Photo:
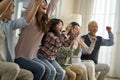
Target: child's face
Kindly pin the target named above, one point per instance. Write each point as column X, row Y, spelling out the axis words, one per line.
column 59, row 27
column 9, row 12
column 43, row 7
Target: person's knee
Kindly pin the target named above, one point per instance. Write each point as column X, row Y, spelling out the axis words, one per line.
column 62, row 72
column 72, row 76
column 80, row 72
column 29, row 75
column 14, row 68
column 25, row 75
column 39, row 69
column 48, row 70
column 107, row 68
column 53, row 71
column 84, row 69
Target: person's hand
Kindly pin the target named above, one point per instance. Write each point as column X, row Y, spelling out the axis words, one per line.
column 75, row 32
column 37, row 2
column 68, row 28
column 93, row 39
column 108, row 28
column 80, row 41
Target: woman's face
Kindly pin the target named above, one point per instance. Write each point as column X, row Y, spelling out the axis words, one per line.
column 43, row 7
column 59, row 27
column 75, row 31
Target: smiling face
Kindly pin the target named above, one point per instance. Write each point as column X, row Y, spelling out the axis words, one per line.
column 93, row 28
column 43, row 7
column 59, row 27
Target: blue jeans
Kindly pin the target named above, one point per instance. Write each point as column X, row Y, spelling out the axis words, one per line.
column 57, row 72
column 37, row 68
column 47, row 70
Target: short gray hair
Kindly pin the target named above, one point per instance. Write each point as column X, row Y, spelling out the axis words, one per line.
column 91, row 22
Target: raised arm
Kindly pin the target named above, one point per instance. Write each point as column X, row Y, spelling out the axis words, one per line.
column 51, row 7
column 4, row 4
column 110, row 41
column 31, row 11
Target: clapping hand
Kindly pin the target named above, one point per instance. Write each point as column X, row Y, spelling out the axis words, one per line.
column 93, row 39
column 75, row 31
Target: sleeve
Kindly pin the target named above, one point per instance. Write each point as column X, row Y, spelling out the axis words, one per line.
column 108, row 42
column 87, row 49
column 51, row 7
column 19, row 23
column 66, row 40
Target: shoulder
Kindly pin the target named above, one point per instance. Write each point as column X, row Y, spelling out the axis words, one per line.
column 84, row 36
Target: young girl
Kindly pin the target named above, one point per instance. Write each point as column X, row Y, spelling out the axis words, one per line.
column 75, row 50
column 52, row 42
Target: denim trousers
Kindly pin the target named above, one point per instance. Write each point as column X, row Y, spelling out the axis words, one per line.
column 57, row 72
column 37, row 68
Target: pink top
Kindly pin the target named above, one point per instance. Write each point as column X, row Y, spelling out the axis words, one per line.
column 29, row 42
column 31, row 36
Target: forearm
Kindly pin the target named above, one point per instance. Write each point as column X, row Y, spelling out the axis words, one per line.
column 31, row 11
column 88, row 50
column 108, row 42
column 4, row 5
column 51, row 7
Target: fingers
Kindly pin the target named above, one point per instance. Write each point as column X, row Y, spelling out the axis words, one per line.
column 68, row 28
column 108, row 28
column 93, row 39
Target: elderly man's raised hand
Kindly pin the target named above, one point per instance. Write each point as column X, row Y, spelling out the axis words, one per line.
column 108, row 28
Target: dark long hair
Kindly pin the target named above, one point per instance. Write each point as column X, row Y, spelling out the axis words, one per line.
column 52, row 24
column 52, row 27
column 73, row 24
column 43, row 22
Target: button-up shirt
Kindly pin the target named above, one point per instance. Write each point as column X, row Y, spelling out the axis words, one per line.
column 52, row 43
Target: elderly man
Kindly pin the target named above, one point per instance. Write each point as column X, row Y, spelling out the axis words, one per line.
column 93, row 28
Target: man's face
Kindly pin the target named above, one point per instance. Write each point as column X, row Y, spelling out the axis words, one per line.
column 93, row 28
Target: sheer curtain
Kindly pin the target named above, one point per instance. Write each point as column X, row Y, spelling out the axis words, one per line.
column 85, row 8
column 106, row 13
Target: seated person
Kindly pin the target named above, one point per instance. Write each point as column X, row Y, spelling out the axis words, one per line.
column 99, row 67
column 70, row 56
